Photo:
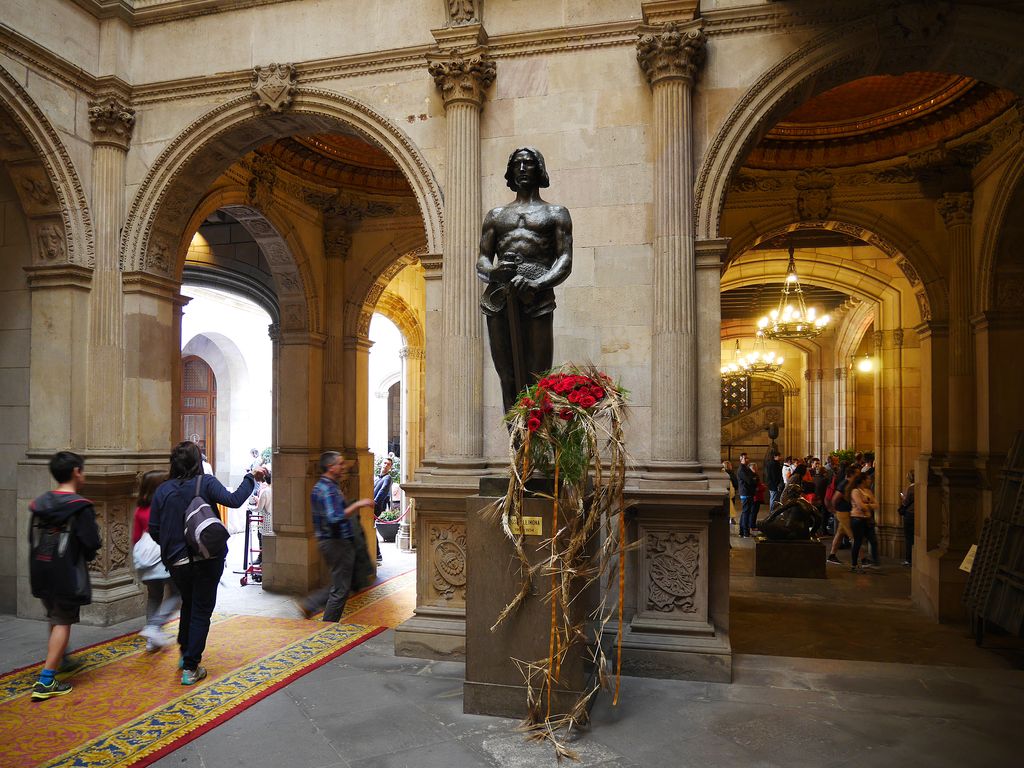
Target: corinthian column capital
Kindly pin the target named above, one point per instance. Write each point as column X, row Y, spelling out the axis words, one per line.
column 671, row 54
column 112, row 121
column 462, row 78
column 955, row 208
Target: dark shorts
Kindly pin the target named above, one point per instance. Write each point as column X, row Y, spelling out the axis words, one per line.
column 61, row 614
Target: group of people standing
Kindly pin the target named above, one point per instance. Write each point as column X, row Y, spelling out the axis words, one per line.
column 64, row 537
column 842, row 492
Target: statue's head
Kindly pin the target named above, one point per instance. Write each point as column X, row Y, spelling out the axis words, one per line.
column 542, row 179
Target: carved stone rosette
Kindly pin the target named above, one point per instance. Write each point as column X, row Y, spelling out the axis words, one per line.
column 112, row 121
column 273, row 86
column 461, row 78
column 671, row 54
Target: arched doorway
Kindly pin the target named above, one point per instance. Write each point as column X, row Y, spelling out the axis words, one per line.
column 199, row 405
column 924, row 192
column 319, row 201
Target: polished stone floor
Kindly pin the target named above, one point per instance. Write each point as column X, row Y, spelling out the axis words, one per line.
column 369, row 709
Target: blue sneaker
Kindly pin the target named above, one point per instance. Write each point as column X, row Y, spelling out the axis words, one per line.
column 56, row 688
column 192, row 676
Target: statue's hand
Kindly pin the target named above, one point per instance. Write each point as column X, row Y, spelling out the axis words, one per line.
column 502, row 271
column 524, row 286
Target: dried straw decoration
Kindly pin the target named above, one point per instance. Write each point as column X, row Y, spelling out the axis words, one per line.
column 569, row 426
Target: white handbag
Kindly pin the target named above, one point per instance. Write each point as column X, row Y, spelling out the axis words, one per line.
column 146, row 554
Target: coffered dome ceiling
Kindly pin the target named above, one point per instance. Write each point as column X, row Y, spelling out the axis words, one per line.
column 878, row 118
column 339, row 160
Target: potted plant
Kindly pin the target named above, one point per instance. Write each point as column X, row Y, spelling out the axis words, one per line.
column 386, row 516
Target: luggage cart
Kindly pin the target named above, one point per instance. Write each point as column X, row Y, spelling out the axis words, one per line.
column 251, row 569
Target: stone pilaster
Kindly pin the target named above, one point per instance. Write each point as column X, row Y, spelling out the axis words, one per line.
column 710, row 254
column 413, row 364
column 462, row 81
column 337, row 240
column 112, row 121
column 955, row 209
column 670, row 58
column 840, row 407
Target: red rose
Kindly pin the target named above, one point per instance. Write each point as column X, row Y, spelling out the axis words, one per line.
column 574, row 397
column 526, row 402
column 597, row 392
column 587, row 401
column 536, row 415
column 533, row 424
column 566, row 414
column 548, row 407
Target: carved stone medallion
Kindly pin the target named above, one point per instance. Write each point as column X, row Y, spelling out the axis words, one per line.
column 673, row 570
column 447, row 555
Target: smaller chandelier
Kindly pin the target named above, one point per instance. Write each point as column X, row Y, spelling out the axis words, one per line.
column 758, row 361
column 792, row 319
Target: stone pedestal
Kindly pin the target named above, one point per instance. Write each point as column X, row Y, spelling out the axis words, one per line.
column 437, row 629
column 790, row 559
column 494, row 684
column 677, row 585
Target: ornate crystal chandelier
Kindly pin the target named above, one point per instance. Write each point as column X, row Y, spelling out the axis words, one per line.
column 760, row 360
column 792, row 319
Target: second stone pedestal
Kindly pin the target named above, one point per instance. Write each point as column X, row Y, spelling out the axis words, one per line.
column 790, row 559
column 494, row 683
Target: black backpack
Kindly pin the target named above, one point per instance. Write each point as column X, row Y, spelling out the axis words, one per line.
column 56, row 566
column 205, row 534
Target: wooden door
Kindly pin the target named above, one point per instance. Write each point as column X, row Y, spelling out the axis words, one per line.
column 199, row 404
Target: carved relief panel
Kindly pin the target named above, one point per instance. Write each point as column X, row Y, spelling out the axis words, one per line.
column 672, row 574
column 446, row 562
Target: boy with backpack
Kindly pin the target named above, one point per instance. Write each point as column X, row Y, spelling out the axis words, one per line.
column 63, row 537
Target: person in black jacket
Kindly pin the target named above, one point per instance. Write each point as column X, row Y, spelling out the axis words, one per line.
column 748, row 496
column 63, row 537
column 196, row 578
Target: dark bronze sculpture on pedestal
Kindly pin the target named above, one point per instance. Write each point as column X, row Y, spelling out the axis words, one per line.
column 793, row 519
column 525, row 251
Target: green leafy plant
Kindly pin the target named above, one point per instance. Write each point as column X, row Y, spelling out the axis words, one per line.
column 844, row 454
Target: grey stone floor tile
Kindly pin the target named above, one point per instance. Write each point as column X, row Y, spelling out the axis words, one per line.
column 381, row 730
column 184, row 757
column 267, row 745
column 516, row 751
column 447, row 754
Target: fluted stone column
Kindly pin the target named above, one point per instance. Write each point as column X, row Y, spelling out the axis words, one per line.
column 670, row 59
column 839, row 413
column 462, row 81
column 710, row 254
column 955, row 209
column 337, row 240
column 111, row 120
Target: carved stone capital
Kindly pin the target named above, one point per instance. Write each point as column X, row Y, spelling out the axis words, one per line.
column 464, row 12
column 273, row 86
column 412, row 353
column 671, row 54
column 955, row 208
column 462, row 78
column 112, row 121
column 897, row 337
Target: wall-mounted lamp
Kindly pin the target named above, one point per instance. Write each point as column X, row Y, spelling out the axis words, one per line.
column 865, row 364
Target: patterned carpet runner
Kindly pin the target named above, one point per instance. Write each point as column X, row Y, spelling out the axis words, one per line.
column 128, row 708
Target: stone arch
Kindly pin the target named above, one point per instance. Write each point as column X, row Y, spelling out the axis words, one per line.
column 297, row 300
column 395, row 309
column 47, row 183
column 1005, row 191
column 929, row 286
column 380, row 269
column 973, row 41
column 201, row 152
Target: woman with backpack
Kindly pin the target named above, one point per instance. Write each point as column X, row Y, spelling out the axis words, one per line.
column 195, row 566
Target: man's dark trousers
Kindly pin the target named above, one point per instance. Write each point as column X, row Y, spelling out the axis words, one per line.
column 340, row 556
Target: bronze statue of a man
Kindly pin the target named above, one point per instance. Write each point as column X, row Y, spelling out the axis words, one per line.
column 525, row 251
